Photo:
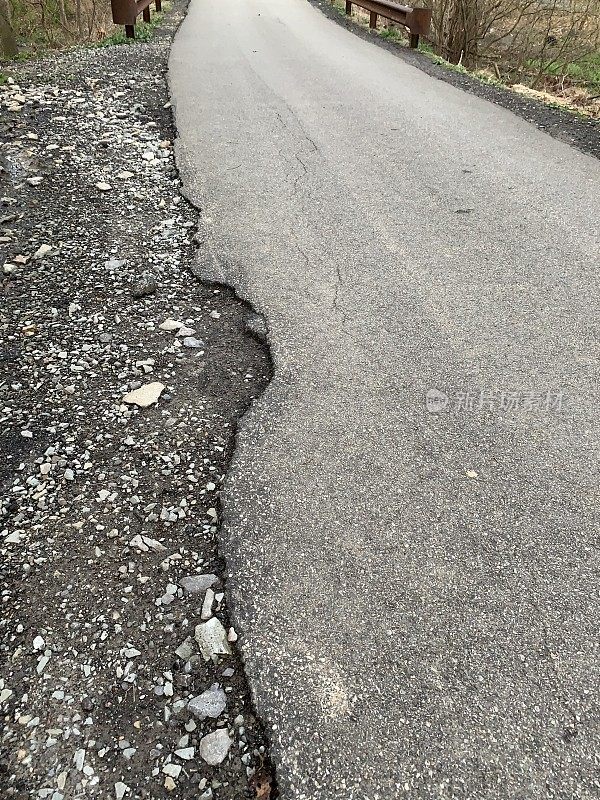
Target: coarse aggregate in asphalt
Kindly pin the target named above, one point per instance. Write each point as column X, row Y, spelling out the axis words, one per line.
column 122, row 378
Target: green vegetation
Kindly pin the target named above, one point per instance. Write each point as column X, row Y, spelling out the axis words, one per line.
column 393, row 34
column 585, row 72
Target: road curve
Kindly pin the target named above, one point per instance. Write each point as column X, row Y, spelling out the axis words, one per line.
column 417, row 590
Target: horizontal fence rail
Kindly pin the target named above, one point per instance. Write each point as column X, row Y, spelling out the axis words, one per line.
column 417, row 20
column 125, row 12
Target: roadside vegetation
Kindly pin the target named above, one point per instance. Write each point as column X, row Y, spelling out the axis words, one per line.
column 549, row 49
column 28, row 27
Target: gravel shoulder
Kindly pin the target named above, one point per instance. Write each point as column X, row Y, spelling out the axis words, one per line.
column 573, row 129
column 122, row 378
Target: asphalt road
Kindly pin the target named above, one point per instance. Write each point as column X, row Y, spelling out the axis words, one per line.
column 417, row 591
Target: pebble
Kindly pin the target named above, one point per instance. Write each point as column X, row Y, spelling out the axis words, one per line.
column 171, row 325
column 214, row 747
column 191, row 342
column 172, row 770
column 194, row 584
column 146, row 395
column 209, row 599
column 210, row 703
column 185, row 753
column 212, row 639
column 120, row 790
column 146, row 285
column 42, row 251
column 186, row 649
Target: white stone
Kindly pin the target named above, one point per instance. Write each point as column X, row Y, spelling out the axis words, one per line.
column 215, row 746
column 146, row 395
column 194, row 584
column 5, row 694
column 210, row 703
column 186, row 753
column 185, row 649
column 78, row 759
column 171, row 325
column 42, row 251
column 209, row 599
column 120, row 789
column 212, row 639
column 192, row 342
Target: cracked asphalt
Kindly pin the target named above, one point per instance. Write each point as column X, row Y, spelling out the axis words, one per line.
column 411, row 516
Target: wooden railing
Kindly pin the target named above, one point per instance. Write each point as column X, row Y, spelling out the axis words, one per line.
column 125, row 12
column 417, row 20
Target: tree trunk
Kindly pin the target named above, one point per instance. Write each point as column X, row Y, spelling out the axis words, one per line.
column 8, row 41
column 459, row 32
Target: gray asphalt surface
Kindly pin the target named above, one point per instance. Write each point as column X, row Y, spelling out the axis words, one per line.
column 417, row 592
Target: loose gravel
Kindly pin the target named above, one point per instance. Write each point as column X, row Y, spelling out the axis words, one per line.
column 121, row 380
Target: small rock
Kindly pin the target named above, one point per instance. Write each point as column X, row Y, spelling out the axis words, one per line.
column 185, row 753
column 212, row 639
column 190, row 341
column 232, row 635
column 172, row 770
column 120, row 789
column 146, row 395
column 210, row 703
column 145, row 543
column 146, row 285
column 194, row 584
column 79, row 759
column 209, row 599
column 104, row 187
column 42, row 251
column 171, row 325
column 186, row 649
column 5, row 694
column 215, row 746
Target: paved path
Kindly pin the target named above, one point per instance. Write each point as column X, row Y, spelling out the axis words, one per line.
column 417, row 591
